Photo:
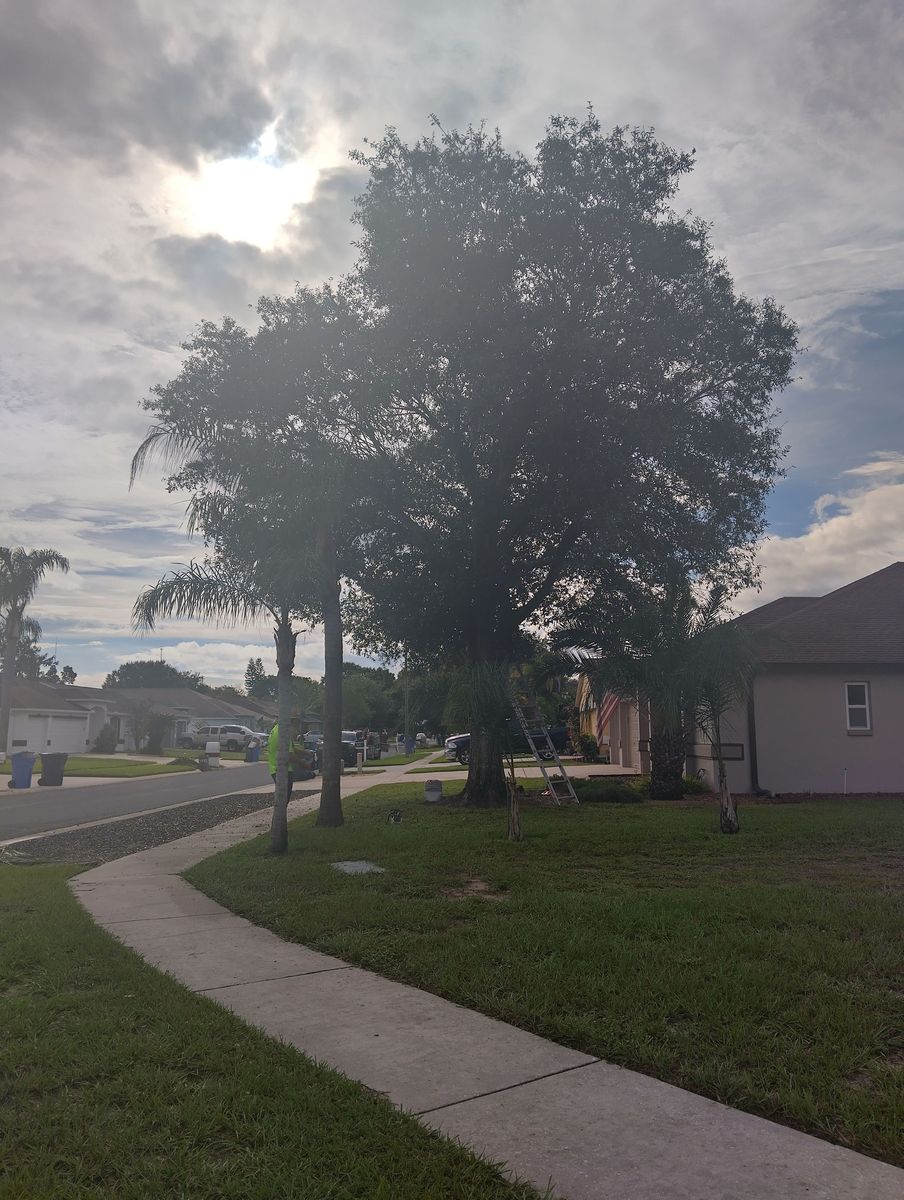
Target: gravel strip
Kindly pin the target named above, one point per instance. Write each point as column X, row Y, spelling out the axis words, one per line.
column 115, row 839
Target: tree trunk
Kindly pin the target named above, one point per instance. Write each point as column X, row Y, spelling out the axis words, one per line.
column 728, row 810
column 666, row 764
column 485, row 787
column 285, row 665
column 330, row 811
column 515, row 830
column 7, row 677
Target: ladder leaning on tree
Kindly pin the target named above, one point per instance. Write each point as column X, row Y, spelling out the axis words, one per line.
column 566, row 792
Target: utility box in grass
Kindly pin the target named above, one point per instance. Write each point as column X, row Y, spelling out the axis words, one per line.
column 433, row 791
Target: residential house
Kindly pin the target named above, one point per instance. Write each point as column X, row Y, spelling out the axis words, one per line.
column 826, row 709
column 68, row 718
column 44, row 717
column 621, row 727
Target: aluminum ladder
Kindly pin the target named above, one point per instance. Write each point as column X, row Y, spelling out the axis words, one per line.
column 566, row 792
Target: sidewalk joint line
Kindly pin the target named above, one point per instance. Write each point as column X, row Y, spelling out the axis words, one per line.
column 273, row 978
column 425, row 1112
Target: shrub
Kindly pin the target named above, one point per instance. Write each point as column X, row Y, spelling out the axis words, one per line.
column 590, row 751
column 608, row 791
column 158, row 728
column 106, row 741
column 691, row 785
column 695, row 787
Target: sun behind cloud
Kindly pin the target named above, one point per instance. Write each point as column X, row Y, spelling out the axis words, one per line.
column 243, row 199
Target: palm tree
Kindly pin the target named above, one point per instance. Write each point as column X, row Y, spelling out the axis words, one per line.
column 222, row 592
column 649, row 655
column 276, row 420
column 724, row 664
column 21, row 571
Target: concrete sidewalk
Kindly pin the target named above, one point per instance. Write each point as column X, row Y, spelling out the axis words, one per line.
column 554, row 1115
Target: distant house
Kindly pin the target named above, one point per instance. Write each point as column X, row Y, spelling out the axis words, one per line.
column 69, row 718
column 45, row 717
column 826, row 711
column 621, row 727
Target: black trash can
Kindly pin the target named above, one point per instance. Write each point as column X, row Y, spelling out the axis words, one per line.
column 52, row 767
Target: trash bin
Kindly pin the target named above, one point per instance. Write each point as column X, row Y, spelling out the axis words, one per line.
column 21, row 765
column 253, row 754
column 52, row 767
column 203, row 762
column 433, row 791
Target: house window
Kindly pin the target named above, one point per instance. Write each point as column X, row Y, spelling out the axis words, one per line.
column 859, row 718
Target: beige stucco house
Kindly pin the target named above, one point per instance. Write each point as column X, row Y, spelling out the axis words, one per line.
column 826, row 711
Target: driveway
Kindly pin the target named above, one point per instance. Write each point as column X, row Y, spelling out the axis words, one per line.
column 41, row 809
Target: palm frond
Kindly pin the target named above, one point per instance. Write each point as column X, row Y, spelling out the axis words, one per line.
column 22, row 570
column 202, row 592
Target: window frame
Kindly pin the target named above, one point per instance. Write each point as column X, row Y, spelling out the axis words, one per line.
column 866, row 707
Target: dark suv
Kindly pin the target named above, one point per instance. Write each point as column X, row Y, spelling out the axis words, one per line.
column 458, row 746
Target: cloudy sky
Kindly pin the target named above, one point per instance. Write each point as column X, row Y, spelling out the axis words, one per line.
column 164, row 162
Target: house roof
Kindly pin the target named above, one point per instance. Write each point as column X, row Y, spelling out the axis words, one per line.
column 195, row 704
column 28, row 693
column 776, row 610
column 862, row 622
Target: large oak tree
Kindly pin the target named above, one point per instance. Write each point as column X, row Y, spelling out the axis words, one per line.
column 580, row 394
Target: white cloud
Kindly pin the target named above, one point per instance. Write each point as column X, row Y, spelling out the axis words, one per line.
column 856, row 531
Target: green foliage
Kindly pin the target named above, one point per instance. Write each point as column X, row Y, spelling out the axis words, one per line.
column 159, row 729
column 256, row 680
column 589, row 748
column 570, row 291
column 68, row 675
column 106, row 740
column 151, row 673
column 150, row 729
column 609, row 791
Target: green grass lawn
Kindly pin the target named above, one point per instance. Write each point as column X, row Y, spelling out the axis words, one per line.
column 764, row 970
column 120, row 1083
column 232, row 755
column 104, row 767
column 399, row 760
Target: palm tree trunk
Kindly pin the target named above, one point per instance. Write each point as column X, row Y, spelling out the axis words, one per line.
column 285, row 665
column 330, row 811
column 666, row 763
column 7, row 677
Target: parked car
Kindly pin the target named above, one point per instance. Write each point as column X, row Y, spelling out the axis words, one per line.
column 348, row 749
column 458, row 747
column 230, row 737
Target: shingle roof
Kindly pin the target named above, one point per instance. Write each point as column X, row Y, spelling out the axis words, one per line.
column 28, row 693
column 775, row 611
column 196, row 704
column 862, row 622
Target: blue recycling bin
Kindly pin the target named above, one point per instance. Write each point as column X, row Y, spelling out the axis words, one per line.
column 253, row 754
column 22, row 765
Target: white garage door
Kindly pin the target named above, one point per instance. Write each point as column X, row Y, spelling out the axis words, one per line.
column 67, row 735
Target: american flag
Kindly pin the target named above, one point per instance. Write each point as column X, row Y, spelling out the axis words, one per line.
column 604, row 711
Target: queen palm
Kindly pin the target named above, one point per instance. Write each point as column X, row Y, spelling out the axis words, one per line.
column 224, row 592
column 21, row 571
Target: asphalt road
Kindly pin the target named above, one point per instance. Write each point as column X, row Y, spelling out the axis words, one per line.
column 41, row 809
